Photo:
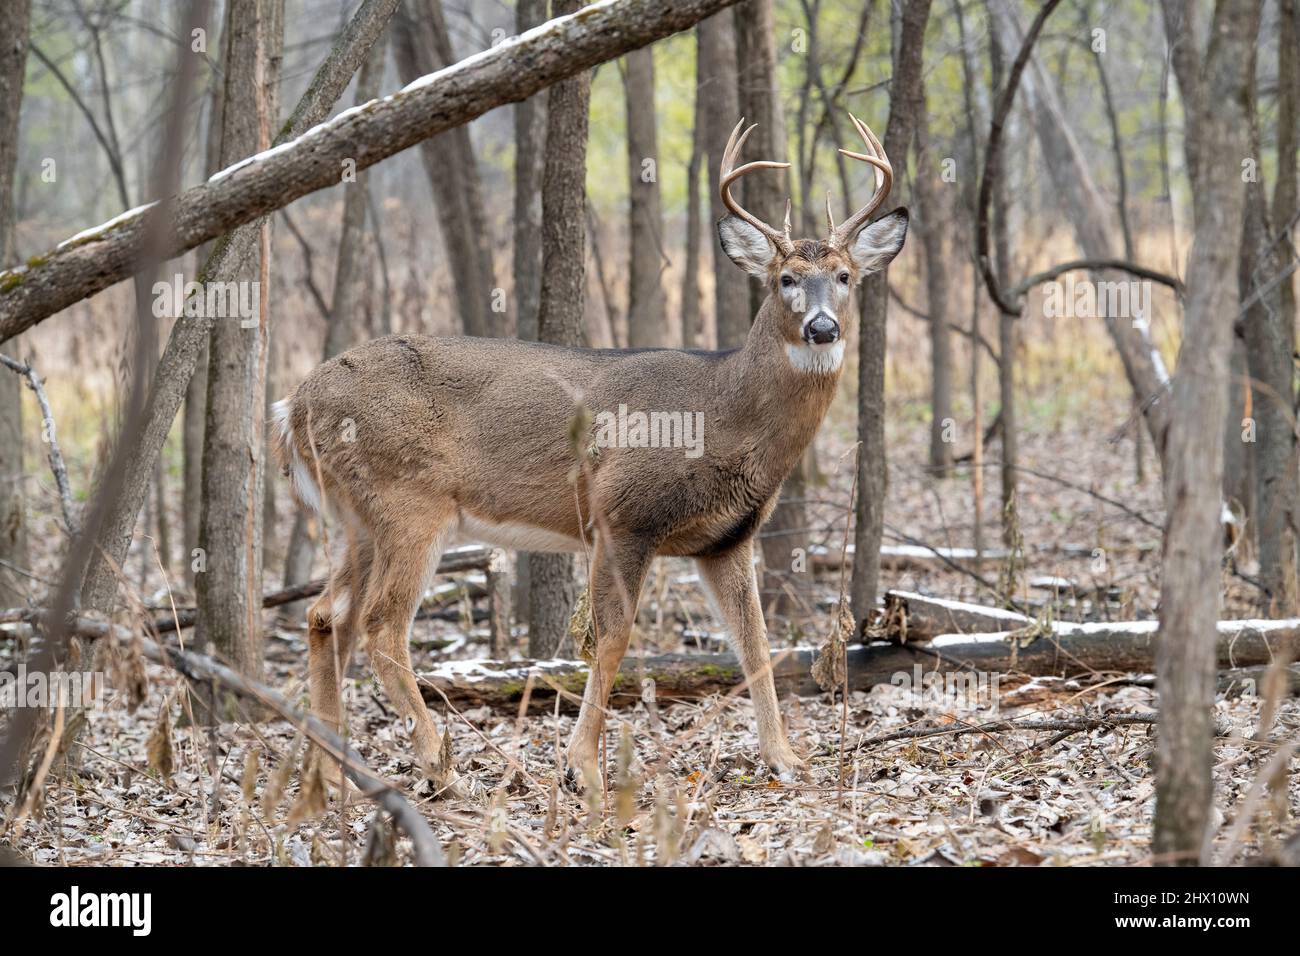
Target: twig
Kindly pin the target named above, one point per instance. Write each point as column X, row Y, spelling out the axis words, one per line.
column 1072, row 724
column 54, row 453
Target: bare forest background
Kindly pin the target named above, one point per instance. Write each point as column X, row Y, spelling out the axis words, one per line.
column 1005, row 435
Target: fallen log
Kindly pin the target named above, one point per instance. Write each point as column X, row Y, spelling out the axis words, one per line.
column 909, row 616
column 1071, row 650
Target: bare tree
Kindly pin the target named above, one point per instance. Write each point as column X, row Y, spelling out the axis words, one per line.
column 552, row 582
column 421, row 45
column 13, row 524
column 690, row 310
column 194, row 416
column 229, row 589
column 934, row 225
column 1269, row 344
column 1215, row 92
column 717, row 82
column 530, row 157
column 1000, row 46
column 646, row 319
column 905, row 104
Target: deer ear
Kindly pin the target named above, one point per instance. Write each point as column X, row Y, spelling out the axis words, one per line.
column 879, row 242
column 745, row 245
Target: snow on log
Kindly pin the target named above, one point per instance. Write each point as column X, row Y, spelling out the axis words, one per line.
column 909, row 616
column 1077, row 649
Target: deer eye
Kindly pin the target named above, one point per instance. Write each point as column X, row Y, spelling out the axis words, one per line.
column 787, row 281
column 844, row 278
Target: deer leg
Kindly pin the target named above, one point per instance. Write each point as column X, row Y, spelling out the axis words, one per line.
column 732, row 582
column 331, row 636
column 618, row 571
column 397, row 579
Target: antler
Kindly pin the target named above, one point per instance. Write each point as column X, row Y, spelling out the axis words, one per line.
column 875, row 155
column 729, row 174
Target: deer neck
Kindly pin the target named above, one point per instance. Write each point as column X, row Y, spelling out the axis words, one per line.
column 782, row 404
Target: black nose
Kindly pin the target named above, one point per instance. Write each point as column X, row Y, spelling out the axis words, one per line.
column 821, row 330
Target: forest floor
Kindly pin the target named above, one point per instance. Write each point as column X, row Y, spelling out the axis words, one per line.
column 685, row 784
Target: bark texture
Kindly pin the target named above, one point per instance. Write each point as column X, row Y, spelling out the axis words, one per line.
column 229, row 589
column 1216, row 97
column 13, row 526
column 905, row 103
column 646, row 319
column 933, row 226
column 552, row 582
column 717, row 54
column 530, row 158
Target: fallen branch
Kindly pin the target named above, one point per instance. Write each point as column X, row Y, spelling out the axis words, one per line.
column 1065, row 724
column 357, row 138
column 197, row 667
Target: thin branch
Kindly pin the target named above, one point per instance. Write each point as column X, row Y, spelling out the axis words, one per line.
column 50, row 436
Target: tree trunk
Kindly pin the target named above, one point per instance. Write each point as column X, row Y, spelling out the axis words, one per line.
column 1217, row 136
column 934, row 224
column 421, row 45
column 998, row 56
column 552, row 582
column 342, row 329
column 646, row 319
column 692, row 334
column 905, row 104
column 785, row 538
column 229, row 590
column 530, row 163
column 717, row 65
column 530, row 158
column 1269, row 340
column 13, row 526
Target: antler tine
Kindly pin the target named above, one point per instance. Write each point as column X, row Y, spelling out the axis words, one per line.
column 787, row 219
column 875, row 156
column 830, row 216
column 729, row 174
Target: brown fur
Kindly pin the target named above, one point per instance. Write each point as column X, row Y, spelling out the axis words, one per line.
column 412, row 436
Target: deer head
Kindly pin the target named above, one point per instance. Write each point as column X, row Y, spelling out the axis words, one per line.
column 810, row 279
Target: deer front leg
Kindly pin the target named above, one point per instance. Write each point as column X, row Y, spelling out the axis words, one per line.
column 618, row 571
column 731, row 579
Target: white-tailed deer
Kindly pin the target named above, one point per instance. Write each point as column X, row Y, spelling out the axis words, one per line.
column 416, row 441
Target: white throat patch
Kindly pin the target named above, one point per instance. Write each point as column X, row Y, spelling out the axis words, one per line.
column 819, row 359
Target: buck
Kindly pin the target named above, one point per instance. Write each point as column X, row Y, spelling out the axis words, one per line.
column 415, row 442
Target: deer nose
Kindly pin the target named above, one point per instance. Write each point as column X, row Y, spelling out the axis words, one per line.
column 821, row 331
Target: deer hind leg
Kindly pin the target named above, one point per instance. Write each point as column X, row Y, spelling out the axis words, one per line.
column 331, row 634
column 731, row 580
column 407, row 550
column 618, row 571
